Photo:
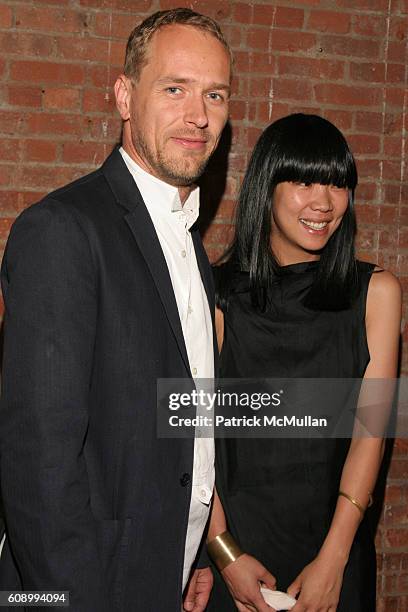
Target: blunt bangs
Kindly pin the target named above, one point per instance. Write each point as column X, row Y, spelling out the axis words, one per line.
column 310, row 149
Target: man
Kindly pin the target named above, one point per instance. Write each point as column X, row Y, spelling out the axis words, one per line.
column 107, row 288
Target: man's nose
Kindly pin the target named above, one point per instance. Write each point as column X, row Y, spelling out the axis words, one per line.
column 195, row 112
column 321, row 198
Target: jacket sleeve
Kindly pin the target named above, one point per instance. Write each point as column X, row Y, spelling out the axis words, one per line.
column 49, row 288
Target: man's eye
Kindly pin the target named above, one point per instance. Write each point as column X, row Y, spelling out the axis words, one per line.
column 173, row 90
column 303, row 184
column 215, row 96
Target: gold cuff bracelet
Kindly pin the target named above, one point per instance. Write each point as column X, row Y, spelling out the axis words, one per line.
column 223, row 550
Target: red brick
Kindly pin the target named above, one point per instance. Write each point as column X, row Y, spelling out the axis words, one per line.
column 238, row 109
column 367, row 239
column 388, row 215
column 260, row 86
column 262, row 63
column 377, row 72
column 341, row 118
column 280, row 40
column 6, row 16
column 13, row 202
column 329, row 21
column 2, row 67
column 242, row 61
column 49, row 19
column 114, row 26
column 395, row 97
column 101, row 76
column 392, row 170
column 90, row 153
column 7, row 171
column 9, row 149
column 364, row 143
column 92, row 49
column 117, row 54
column 22, row 44
column 399, row 469
column 354, row 47
column 396, row 50
column 271, row 110
column 370, row 72
column 281, row 17
column 242, row 12
column 400, row 447
column 368, row 168
column 11, row 122
column 226, row 211
column 98, row 101
column 60, row 124
column 40, row 150
column 233, row 35
column 369, row 121
column 47, row 72
column 292, row 89
column 396, row 538
column 49, row 177
column 371, row 5
column 61, row 98
column 393, row 146
column 366, row 213
column 219, row 234
column 310, row 67
column 399, row 28
column 25, row 96
column 346, row 95
column 367, row 191
column 370, row 25
column 104, row 129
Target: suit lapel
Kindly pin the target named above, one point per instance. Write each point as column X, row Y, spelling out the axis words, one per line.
column 141, row 225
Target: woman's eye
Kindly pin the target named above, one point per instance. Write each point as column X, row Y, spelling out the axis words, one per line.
column 303, row 184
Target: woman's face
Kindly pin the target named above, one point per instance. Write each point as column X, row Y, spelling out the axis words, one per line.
column 304, row 217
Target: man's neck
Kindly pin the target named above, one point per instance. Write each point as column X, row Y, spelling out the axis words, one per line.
column 184, row 192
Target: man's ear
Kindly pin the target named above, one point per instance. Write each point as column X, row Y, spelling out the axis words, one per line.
column 122, row 89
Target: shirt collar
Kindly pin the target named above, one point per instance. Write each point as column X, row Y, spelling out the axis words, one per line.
column 152, row 188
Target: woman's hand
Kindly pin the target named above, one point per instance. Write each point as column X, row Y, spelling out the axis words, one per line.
column 243, row 578
column 319, row 585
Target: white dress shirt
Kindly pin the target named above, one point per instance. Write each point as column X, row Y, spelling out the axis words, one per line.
column 172, row 222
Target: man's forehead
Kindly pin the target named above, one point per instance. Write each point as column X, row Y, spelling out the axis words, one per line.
column 179, row 37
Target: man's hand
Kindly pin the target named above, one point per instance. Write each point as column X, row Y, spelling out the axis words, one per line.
column 319, row 585
column 243, row 578
column 198, row 590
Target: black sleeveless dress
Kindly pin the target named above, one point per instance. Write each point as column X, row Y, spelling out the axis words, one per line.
column 279, row 495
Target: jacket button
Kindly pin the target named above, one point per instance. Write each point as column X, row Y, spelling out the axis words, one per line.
column 185, row 479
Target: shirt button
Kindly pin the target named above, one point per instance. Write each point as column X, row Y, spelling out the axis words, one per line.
column 189, row 310
column 194, row 371
column 183, row 253
column 185, row 479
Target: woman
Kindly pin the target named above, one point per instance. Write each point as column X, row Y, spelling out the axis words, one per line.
column 294, row 302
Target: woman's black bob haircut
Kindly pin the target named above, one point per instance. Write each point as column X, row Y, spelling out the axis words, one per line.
column 297, row 148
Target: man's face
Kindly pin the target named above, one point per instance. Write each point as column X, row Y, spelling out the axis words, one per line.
column 177, row 110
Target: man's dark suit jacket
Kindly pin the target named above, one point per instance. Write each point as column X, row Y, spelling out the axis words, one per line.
column 95, row 503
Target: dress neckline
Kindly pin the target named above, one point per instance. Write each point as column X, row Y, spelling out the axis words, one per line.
column 299, row 267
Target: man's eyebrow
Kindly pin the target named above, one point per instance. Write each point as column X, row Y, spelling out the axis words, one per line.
column 175, row 79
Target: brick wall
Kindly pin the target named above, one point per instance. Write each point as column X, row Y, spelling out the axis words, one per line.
column 345, row 59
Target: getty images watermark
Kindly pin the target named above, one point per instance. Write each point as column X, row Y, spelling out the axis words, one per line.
column 282, row 408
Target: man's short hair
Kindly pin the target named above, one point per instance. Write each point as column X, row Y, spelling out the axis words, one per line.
column 139, row 39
